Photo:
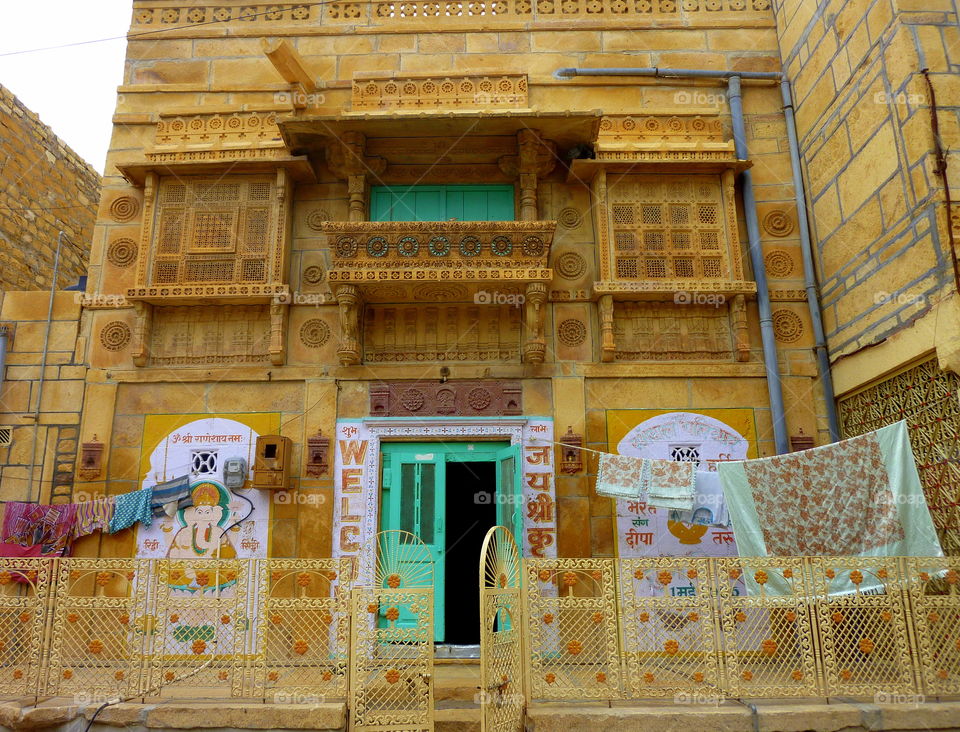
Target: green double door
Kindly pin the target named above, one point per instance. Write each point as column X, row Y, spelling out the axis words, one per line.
column 449, row 494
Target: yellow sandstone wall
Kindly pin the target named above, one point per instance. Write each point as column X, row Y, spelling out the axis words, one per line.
column 46, row 189
column 216, row 66
column 878, row 212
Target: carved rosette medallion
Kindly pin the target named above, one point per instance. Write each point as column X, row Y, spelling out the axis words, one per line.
column 115, row 335
column 459, row 398
column 313, row 275
column 779, row 263
column 778, row 223
column 572, row 332
column 122, row 252
column 571, row 266
column 314, row 333
column 569, row 218
column 124, row 208
column 787, row 326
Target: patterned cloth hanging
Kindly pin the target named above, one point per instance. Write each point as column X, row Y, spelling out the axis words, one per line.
column 666, row 483
column 174, row 491
column 859, row 497
column 34, row 530
column 129, row 508
column 93, row 516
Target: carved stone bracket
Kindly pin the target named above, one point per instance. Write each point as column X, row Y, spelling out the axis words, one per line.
column 437, row 399
column 535, row 342
column 536, row 157
column 142, row 332
column 608, row 345
column 349, row 302
column 741, row 331
column 348, row 160
column 278, row 330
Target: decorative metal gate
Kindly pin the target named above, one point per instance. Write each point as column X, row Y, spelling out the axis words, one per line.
column 502, row 697
column 391, row 659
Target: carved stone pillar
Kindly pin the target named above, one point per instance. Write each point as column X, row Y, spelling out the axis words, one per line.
column 142, row 329
column 348, row 301
column 278, row 330
column 608, row 346
column 536, row 157
column 348, row 160
column 741, row 331
column 535, row 343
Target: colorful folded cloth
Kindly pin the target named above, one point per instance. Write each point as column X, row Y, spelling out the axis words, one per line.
column 619, row 476
column 93, row 516
column 33, row 530
column 176, row 490
column 129, row 508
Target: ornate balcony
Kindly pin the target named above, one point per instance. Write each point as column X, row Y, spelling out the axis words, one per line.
column 477, row 262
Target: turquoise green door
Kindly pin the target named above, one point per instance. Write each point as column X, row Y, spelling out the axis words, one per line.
column 442, row 203
column 413, row 500
column 510, row 492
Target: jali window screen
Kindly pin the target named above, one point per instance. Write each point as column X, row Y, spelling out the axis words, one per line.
column 216, row 230
column 669, row 227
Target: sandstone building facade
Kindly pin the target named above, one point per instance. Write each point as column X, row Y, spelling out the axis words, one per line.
column 394, row 235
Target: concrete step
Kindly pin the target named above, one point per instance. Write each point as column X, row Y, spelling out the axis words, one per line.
column 456, row 682
column 457, row 720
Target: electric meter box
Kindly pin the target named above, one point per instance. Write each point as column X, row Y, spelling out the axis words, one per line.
column 234, row 472
column 271, row 465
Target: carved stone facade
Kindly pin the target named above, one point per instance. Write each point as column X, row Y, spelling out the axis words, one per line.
column 460, row 399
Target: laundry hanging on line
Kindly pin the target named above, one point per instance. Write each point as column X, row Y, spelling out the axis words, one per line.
column 93, row 515
column 34, row 530
column 171, row 495
column 130, row 508
column 860, row 497
column 665, row 483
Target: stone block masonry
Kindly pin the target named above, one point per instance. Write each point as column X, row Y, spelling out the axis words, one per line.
column 45, row 187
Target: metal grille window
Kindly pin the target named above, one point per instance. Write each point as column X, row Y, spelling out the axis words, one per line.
column 668, row 227
column 213, row 231
column 685, row 453
column 204, row 462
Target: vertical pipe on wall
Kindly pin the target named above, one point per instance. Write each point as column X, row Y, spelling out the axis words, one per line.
column 767, row 337
column 43, row 365
column 809, row 274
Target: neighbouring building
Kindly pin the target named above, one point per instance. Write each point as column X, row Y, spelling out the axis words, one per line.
column 389, row 233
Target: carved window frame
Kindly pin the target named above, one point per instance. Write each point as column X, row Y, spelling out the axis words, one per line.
column 166, row 195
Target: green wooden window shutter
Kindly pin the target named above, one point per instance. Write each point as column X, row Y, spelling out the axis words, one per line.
column 442, row 203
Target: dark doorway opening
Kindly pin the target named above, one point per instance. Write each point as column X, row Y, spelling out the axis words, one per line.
column 471, row 511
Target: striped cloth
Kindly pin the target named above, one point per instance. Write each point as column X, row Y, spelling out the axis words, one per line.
column 175, row 490
column 93, row 516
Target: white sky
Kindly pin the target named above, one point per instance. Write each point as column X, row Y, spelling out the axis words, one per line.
column 73, row 90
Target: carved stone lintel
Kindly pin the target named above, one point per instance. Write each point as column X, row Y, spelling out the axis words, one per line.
column 741, row 330
column 535, row 342
column 348, row 301
column 278, row 329
column 142, row 332
column 450, row 398
column 608, row 344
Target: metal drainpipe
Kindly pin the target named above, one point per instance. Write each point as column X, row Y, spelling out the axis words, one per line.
column 767, row 337
column 43, row 365
column 809, row 274
column 4, row 336
column 771, row 364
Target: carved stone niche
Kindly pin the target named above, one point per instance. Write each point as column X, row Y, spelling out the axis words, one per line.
column 91, row 459
column 318, row 455
column 454, row 399
column 571, row 454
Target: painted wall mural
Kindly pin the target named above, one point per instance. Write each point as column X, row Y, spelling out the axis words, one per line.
column 357, row 474
column 705, row 437
column 221, row 522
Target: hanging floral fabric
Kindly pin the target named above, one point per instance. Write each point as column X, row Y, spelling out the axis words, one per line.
column 672, row 484
column 34, row 530
column 857, row 497
column 619, row 476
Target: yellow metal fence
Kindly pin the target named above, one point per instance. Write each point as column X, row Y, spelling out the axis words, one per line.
column 107, row 628
column 707, row 629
